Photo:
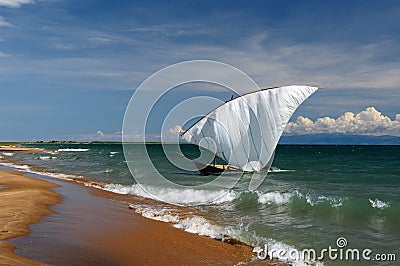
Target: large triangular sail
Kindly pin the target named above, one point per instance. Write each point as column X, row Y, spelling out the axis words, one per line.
column 245, row 131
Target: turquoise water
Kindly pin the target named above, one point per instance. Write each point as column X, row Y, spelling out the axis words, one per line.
column 321, row 193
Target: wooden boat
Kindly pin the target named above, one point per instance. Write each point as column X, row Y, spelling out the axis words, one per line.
column 245, row 131
column 215, row 168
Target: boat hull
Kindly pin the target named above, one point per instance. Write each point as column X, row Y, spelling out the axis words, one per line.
column 215, row 168
column 209, row 169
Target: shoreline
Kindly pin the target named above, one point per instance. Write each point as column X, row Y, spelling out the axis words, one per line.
column 21, row 149
column 23, row 201
column 82, row 221
column 153, row 242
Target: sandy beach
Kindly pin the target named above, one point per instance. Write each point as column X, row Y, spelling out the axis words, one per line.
column 20, row 149
column 49, row 221
column 23, row 201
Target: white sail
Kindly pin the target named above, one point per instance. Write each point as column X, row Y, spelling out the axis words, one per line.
column 245, row 131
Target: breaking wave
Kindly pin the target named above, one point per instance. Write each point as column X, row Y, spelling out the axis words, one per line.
column 46, row 158
column 379, row 204
column 278, row 198
column 189, row 196
column 72, row 150
column 274, row 197
column 199, row 225
column 28, row 169
column 185, row 196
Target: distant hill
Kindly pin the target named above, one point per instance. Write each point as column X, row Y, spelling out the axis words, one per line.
column 340, row 139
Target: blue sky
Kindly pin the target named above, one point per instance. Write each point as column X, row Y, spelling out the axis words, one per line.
column 68, row 68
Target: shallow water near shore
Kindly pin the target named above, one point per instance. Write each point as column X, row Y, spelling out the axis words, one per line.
column 321, row 193
column 96, row 227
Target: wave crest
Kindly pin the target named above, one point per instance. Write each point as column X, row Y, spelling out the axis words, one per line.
column 274, row 197
column 186, row 196
column 72, row 150
column 379, row 204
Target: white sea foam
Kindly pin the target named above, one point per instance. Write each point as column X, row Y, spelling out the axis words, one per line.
column 9, row 154
column 60, row 175
column 46, row 158
column 274, row 197
column 313, row 200
column 179, row 196
column 164, row 215
column 193, row 224
column 201, row 226
column 379, row 204
column 188, row 196
column 113, row 152
column 27, row 169
column 336, row 202
column 124, row 190
column 19, row 167
column 72, row 150
column 281, row 198
column 278, row 170
column 227, row 196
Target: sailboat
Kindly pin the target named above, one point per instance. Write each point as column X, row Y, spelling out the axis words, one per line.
column 245, row 131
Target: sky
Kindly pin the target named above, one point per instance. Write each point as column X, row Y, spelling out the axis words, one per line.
column 68, row 68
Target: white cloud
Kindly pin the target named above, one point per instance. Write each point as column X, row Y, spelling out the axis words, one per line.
column 167, row 30
column 172, row 134
column 100, row 133
column 4, row 55
column 368, row 122
column 98, row 136
column 4, row 22
column 100, row 39
column 15, row 3
column 329, row 65
column 175, row 130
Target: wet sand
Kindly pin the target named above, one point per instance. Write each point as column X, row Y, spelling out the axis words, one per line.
column 23, row 201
